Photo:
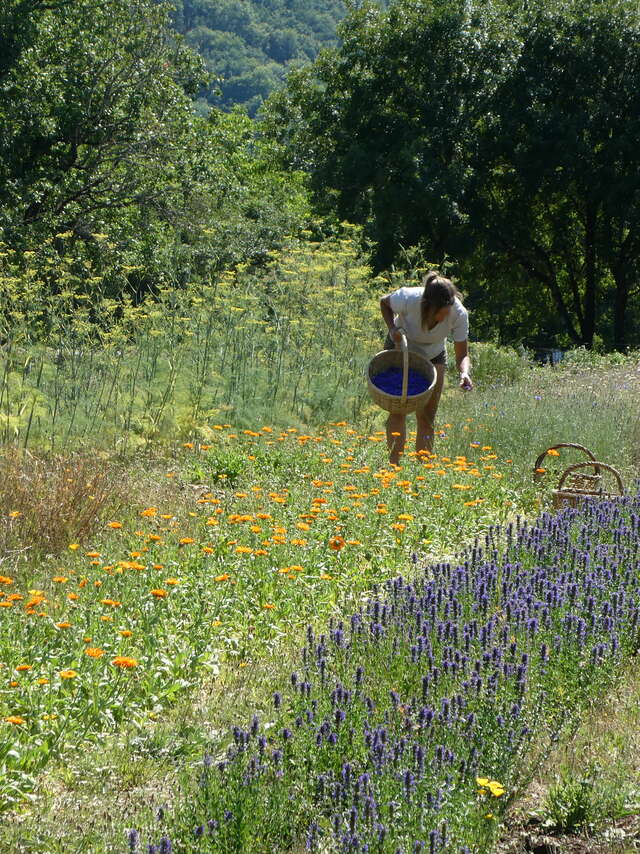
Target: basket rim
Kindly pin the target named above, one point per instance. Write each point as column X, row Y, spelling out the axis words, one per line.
column 416, row 362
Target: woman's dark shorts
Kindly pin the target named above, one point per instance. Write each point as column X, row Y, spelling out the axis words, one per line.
column 440, row 359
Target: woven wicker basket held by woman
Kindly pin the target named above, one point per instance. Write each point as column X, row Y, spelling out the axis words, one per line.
column 429, row 315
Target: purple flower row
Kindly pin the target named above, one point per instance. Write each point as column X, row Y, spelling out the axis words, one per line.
column 374, row 743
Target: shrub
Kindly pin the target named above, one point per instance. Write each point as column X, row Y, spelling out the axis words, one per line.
column 491, row 363
column 52, row 501
column 574, row 804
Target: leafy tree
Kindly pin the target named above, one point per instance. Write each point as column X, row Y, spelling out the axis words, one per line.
column 91, row 112
column 386, row 123
column 558, row 166
column 501, row 137
column 100, row 143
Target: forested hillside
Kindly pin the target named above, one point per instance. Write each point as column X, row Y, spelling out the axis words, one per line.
column 248, row 45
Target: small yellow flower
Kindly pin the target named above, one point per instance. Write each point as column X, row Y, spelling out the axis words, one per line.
column 68, row 674
column 94, row 652
column 124, row 661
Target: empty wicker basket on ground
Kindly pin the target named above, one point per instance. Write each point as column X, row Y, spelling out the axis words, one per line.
column 404, row 359
column 539, row 472
column 576, row 485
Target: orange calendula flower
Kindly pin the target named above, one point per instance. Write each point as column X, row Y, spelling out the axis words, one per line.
column 42, row 681
column 149, row 513
column 60, row 579
column 126, row 633
column 223, row 577
column 74, row 547
column 159, row 593
column 124, row 661
column 185, row 541
column 268, row 606
column 21, row 668
column 171, row 581
column 63, row 625
column 337, row 543
column 114, row 525
column 68, row 674
column 15, row 719
column 94, row 652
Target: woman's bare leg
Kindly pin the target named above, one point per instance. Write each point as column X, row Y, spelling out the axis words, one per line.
column 426, row 416
column 396, row 437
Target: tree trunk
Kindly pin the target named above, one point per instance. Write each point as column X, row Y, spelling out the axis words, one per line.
column 591, row 283
column 620, row 309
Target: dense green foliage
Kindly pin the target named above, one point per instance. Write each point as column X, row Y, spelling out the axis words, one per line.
column 99, row 138
column 501, row 138
column 249, row 45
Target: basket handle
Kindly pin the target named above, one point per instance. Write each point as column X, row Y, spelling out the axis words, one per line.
column 538, row 475
column 405, row 366
column 597, row 466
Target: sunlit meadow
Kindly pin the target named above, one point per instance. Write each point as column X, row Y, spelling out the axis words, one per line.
column 229, row 533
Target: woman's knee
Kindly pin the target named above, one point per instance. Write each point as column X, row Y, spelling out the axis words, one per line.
column 424, row 421
column 396, row 420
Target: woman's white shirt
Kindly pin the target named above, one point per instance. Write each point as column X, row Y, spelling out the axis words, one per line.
column 406, row 306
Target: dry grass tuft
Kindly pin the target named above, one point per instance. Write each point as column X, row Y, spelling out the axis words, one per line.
column 48, row 502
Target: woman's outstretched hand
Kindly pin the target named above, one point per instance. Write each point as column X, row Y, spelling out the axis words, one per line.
column 465, row 382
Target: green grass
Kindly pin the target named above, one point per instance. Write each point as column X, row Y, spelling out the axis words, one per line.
column 201, row 649
column 586, row 794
